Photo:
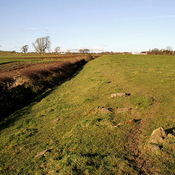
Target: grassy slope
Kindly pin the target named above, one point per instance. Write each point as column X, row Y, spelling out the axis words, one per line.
column 84, row 140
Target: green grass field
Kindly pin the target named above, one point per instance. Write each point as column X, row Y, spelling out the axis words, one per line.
column 73, row 136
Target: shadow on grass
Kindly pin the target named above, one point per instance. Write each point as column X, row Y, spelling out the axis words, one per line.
column 9, row 121
column 170, row 131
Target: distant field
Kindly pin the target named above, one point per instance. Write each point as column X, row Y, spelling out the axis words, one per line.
column 68, row 132
column 13, row 64
column 46, row 56
column 20, row 77
column 14, row 61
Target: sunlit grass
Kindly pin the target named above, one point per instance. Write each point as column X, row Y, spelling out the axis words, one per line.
column 80, row 139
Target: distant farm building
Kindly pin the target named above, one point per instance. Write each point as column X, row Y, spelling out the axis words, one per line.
column 144, row 52
column 135, row 53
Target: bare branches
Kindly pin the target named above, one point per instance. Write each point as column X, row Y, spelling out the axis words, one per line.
column 25, row 48
column 57, row 49
column 42, row 44
column 84, row 50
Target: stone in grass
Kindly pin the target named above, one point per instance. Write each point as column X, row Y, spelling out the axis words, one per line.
column 154, row 148
column 105, row 110
column 43, row 152
column 120, row 94
column 157, row 136
column 156, row 140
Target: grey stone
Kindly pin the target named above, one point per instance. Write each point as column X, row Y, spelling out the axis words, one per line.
column 157, row 136
column 120, row 94
column 105, row 111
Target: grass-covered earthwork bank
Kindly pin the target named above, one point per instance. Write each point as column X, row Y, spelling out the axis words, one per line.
column 99, row 122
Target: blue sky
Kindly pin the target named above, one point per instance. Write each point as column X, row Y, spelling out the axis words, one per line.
column 109, row 25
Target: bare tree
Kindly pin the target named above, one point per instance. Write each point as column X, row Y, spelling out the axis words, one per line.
column 25, row 48
column 156, row 51
column 169, row 48
column 42, row 44
column 57, row 49
column 84, row 50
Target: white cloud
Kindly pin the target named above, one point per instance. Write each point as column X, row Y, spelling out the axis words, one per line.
column 0, row 45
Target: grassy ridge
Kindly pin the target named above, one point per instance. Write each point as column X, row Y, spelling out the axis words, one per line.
column 77, row 138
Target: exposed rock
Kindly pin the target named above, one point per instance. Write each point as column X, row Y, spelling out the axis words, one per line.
column 43, row 152
column 156, row 140
column 105, row 110
column 120, row 94
column 19, row 81
column 157, row 136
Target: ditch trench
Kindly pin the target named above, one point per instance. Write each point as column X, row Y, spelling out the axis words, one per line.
column 138, row 158
column 139, row 161
column 19, row 96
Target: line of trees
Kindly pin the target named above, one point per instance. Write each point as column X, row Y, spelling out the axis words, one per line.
column 84, row 50
column 167, row 51
column 43, row 44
